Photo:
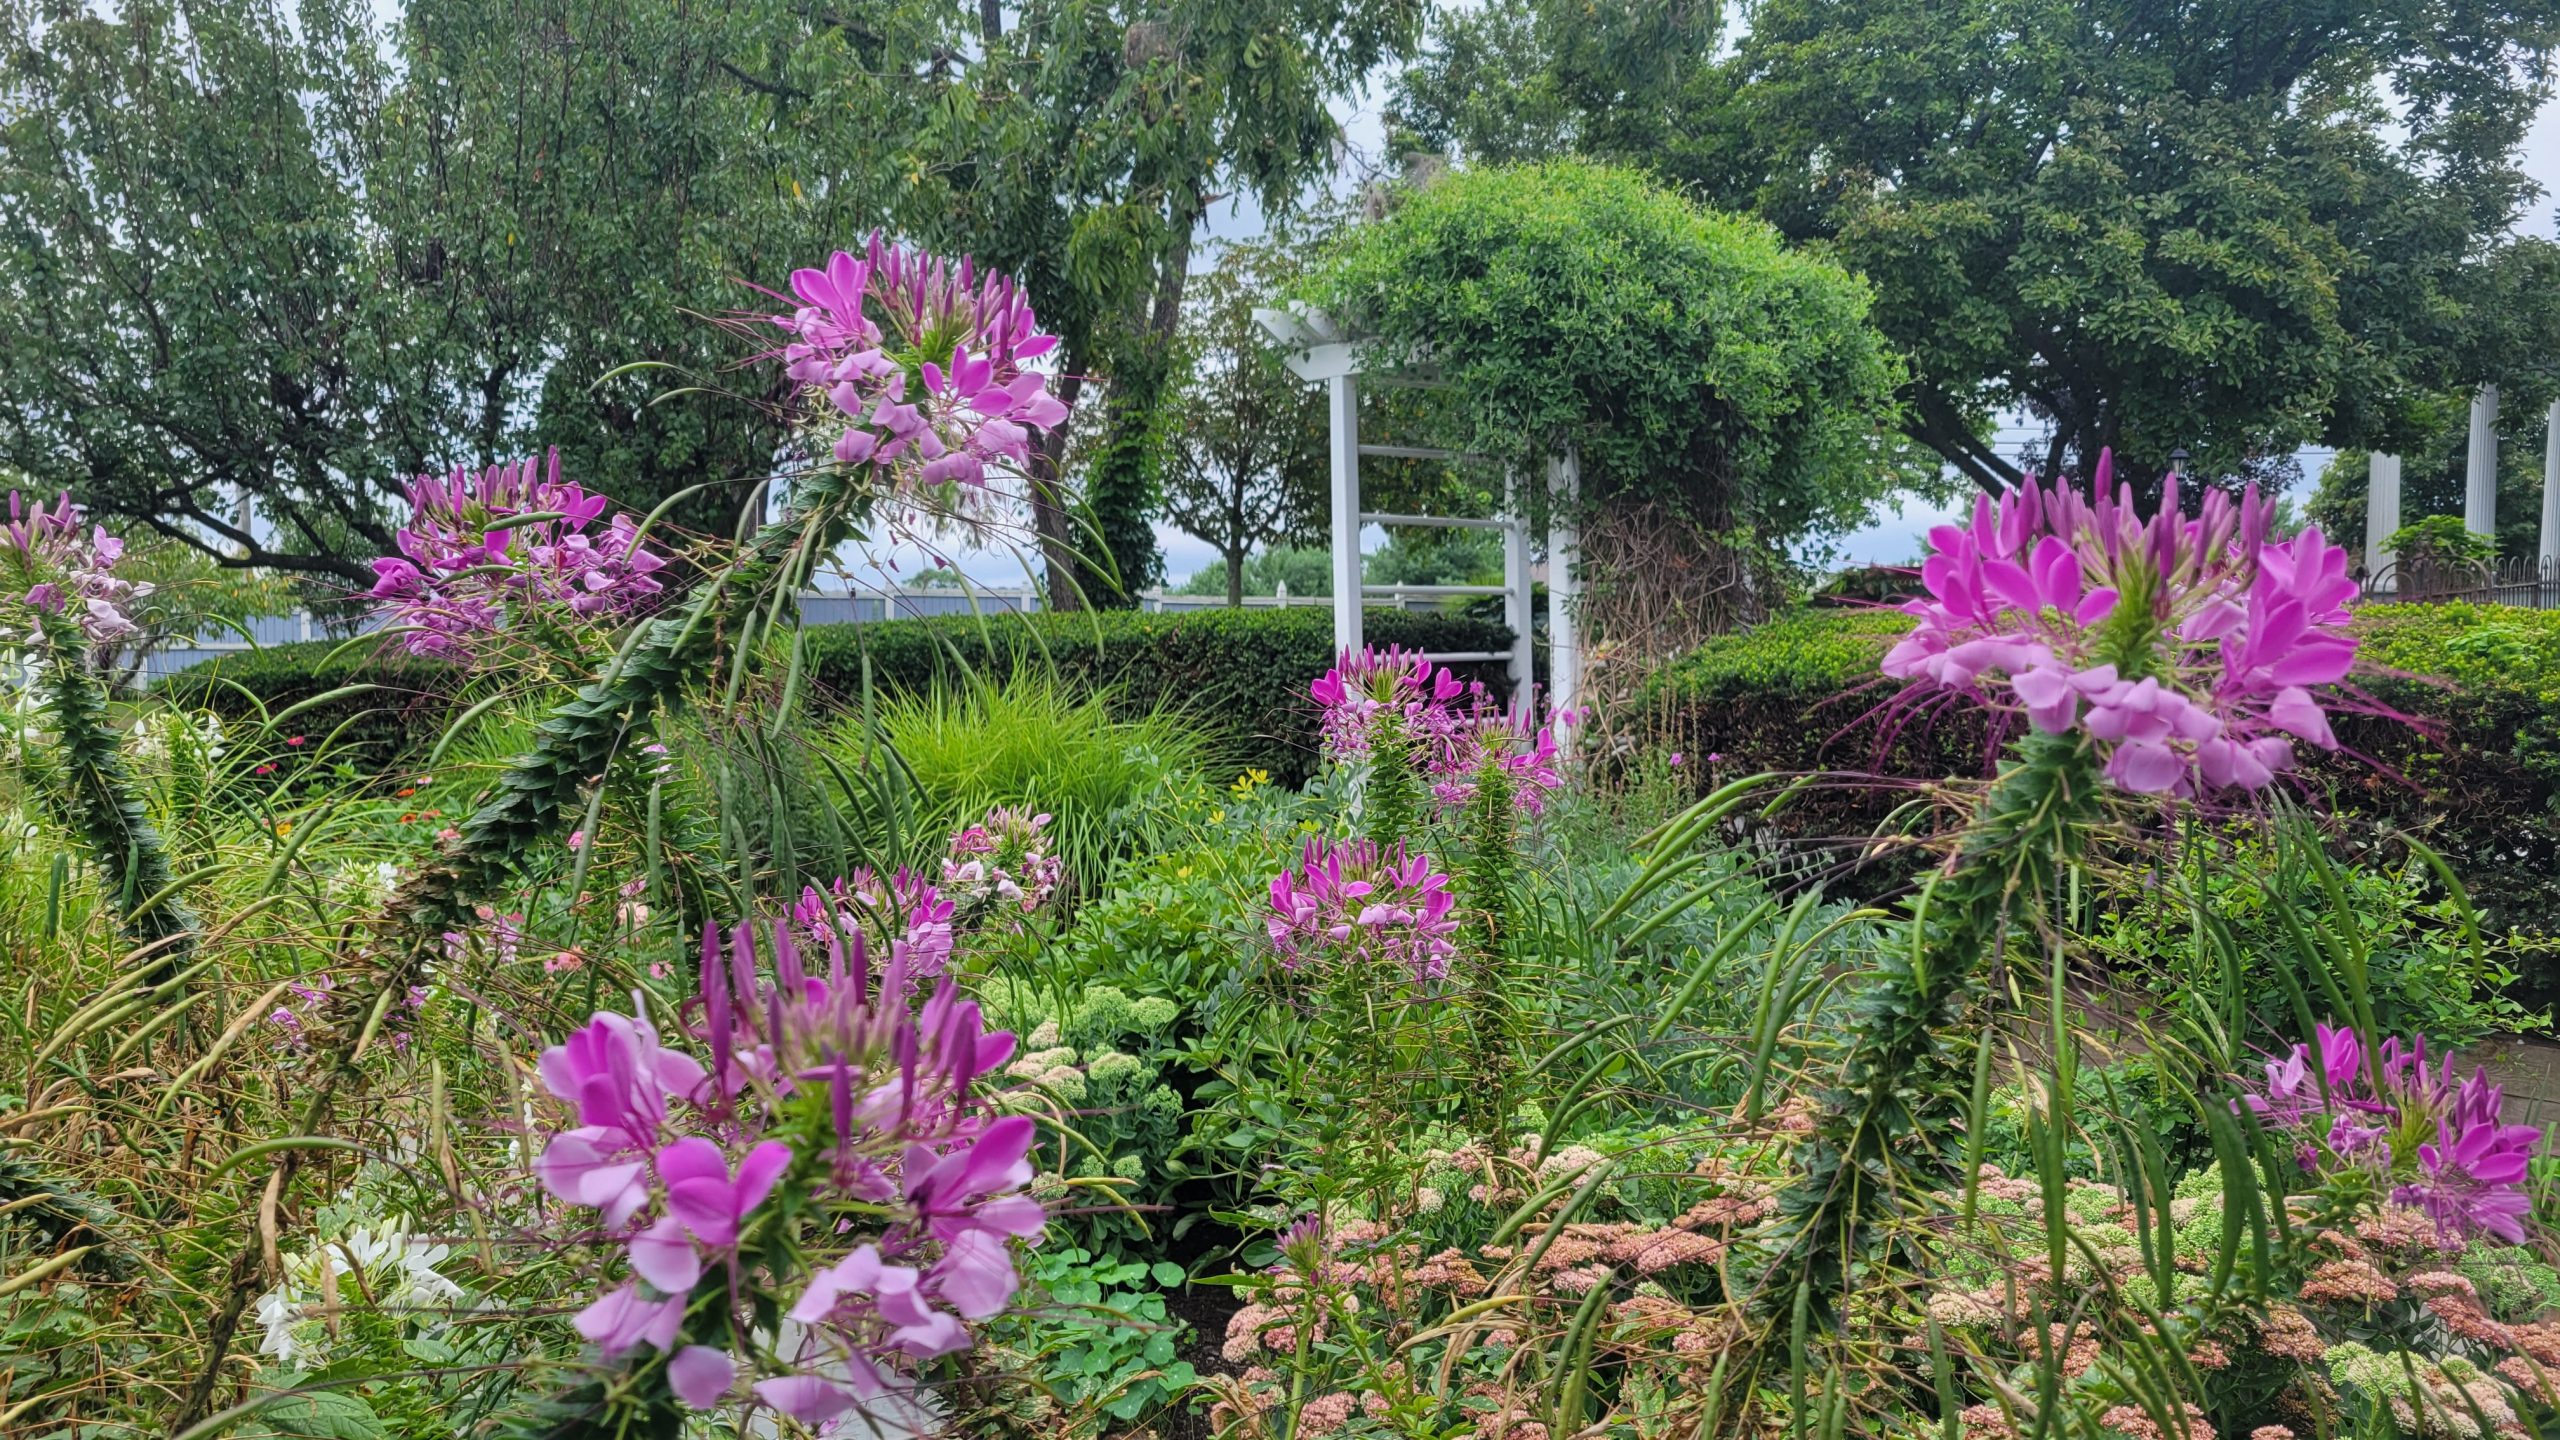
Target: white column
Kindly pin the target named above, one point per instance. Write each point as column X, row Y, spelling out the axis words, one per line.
column 1344, row 392
column 2551, row 490
column 1564, row 584
column 2381, row 510
column 1516, row 611
column 2480, row 470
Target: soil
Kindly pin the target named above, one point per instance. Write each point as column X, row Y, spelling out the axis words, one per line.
column 1205, row 1309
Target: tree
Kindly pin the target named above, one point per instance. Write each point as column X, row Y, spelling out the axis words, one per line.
column 2149, row 225
column 1086, row 154
column 1247, row 462
column 264, row 250
column 1725, row 393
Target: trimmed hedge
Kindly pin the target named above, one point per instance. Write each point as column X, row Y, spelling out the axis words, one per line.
column 374, row 729
column 2478, row 776
column 1242, row 674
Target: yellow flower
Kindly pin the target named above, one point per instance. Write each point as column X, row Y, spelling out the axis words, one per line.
column 1217, row 817
column 1245, row 782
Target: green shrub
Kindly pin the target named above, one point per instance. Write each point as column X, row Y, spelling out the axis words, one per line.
column 1023, row 742
column 411, row 703
column 1239, row 675
column 2478, row 777
column 1690, row 357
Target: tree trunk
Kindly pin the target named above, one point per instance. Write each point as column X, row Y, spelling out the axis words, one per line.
column 1235, row 577
column 1050, row 520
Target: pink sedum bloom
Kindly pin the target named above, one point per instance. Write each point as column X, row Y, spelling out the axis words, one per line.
column 2186, row 648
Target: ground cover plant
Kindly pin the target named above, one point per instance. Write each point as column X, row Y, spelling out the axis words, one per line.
column 659, row 1047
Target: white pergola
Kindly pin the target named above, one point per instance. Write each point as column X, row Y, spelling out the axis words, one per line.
column 2480, row 487
column 1321, row 352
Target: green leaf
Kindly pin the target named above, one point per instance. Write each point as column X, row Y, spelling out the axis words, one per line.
column 1167, row 1274
column 320, row 1415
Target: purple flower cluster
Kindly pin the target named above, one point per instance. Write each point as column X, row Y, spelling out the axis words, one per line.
column 68, row 572
column 1349, row 902
column 2439, row 1142
column 828, row 1114
column 908, row 918
column 469, row 568
column 1453, row 744
column 1002, row 864
column 1376, row 687
column 915, row 362
column 2186, row 648
column 1458, row 746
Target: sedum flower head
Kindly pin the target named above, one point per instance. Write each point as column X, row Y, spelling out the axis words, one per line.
column 2188, row 649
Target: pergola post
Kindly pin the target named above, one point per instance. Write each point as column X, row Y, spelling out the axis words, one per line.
column 2381, row 511
column 1564, row 584
column 1344, row 392
column 1515, row 594
column 2480, row 470
column 2551, row 491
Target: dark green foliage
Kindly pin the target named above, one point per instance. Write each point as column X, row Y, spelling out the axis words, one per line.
column 1887, row 1129
column 2236, row 227
column 1239, row 673
column 98, row 801
column 65, row 1217
column 412, row 702
column 1226, row 669
column 1124, row 482
column 2478, row 778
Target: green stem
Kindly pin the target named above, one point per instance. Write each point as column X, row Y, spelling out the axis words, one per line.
column 101, row 806
column 576, row 743
column 1888, row 1130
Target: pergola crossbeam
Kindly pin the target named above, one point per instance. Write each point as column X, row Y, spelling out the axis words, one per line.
column 1321, row 351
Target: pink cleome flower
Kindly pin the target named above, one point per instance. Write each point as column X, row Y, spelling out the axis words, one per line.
column 914, row 363
column 67, row 572
column 2186, row 648
column 1348, row 902
column 2353, row 1110
column 828, row 1096
column 1363, row 689
column 469, row 568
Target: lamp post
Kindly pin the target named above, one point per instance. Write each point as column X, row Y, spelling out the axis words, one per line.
column 2178, row 463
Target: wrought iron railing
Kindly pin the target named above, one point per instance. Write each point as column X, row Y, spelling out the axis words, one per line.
column 2533, row 584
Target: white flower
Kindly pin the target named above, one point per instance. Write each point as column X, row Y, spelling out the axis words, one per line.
column 281, row 1311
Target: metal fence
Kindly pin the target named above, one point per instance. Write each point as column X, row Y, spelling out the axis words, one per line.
column 816, row 608
column 2532, row 584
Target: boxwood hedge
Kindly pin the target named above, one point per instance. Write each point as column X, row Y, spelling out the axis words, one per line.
column 2467, row 757
column 1241, row 674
